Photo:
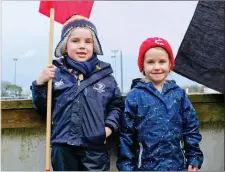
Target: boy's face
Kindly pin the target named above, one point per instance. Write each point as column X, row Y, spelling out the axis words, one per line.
column 80, row 45
column 156, row 65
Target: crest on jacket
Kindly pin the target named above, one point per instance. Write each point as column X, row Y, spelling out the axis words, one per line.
column 59, row 83
column 100, row 87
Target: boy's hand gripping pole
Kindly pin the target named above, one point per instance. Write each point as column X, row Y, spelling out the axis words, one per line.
column 49, row 96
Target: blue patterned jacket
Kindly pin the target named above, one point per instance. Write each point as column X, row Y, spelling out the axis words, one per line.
column 159, row 131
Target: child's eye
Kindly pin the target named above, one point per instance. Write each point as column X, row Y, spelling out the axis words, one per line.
column 88, row 41
column 150, row 62
column 162, row 61
column 75, row 40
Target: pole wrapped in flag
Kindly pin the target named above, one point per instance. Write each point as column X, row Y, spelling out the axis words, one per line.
column 65, row 9
column 59, row 11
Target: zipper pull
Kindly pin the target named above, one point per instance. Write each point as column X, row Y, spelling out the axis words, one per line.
column 80, row 78
column 98, row 67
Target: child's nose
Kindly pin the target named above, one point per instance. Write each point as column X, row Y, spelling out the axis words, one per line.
column 156, row 66
column 82, row 44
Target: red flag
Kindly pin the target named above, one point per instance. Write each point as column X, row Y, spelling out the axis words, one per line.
column 65, row 9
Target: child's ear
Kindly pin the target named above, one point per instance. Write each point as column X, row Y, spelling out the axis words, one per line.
column 143, row 72
column 65, row 53
column 171, row 68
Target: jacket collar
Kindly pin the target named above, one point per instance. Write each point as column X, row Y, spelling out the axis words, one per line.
column 168, row 85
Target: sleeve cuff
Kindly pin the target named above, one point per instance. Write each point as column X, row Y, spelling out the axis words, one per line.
column 34, row 85
column 195, row 162
column 110, row 126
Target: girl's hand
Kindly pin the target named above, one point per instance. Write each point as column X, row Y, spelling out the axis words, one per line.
column 108, row 131
column 192, row 168
column 47, row 74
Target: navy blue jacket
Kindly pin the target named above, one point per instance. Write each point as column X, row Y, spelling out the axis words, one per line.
column 159, row 131
column 80, row 113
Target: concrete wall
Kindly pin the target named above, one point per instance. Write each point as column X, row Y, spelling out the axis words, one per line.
column 23, row 135
column 24, row 149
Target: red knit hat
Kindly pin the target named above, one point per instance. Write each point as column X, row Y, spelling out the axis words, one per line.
column 151, row 43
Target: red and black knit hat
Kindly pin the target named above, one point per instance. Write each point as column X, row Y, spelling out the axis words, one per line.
column 151, row 43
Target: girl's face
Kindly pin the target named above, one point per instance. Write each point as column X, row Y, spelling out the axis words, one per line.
column 156, row 65
column 80, row 45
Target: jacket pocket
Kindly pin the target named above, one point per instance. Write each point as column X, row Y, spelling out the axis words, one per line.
column 140, row 155
column 93, row 126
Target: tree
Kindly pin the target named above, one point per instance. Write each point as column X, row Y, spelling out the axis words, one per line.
column 14, row 89
column 3, row 89
column 9, row 89
column 194, row 89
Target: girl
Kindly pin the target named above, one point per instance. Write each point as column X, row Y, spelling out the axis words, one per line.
column 159, row 127
column 86, row 100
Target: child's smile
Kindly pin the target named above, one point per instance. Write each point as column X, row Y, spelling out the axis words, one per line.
column 81, row 54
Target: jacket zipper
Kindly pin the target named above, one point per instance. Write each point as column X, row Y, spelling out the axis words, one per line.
column 181, row 148
column 140, row 155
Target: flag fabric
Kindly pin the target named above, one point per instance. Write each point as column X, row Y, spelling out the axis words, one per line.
column 201, row 53
column 65, row 9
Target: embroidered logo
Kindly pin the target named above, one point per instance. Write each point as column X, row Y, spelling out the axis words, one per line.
column 59, row 83
column 99, row 87
column 159, row 42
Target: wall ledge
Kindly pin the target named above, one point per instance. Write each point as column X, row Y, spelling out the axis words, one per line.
column 21, row 113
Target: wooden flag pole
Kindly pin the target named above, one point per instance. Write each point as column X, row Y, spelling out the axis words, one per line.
column 49, row 98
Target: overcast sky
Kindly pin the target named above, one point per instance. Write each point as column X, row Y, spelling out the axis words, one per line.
column 121, row 25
